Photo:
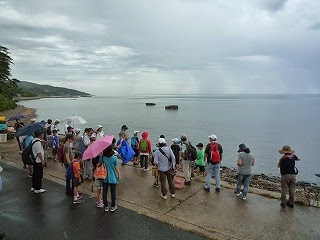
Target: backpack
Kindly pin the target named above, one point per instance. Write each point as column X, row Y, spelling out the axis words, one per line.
column 69, row 172
column 133, row 142
column 27, row 154
column 143, row 145
column 214, row 153
column 191, row 152
column 60, row 154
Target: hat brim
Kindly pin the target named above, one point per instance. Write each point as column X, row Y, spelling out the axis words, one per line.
column 284, row 152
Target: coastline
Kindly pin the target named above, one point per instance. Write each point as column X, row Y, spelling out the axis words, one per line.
column 268, row 186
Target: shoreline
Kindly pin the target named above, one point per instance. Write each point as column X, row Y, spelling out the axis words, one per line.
column 269, row 186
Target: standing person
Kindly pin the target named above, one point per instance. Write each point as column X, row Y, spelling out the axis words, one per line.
column 68, row 159
column 26, row 143
column 145, row 148
column 166, row 162
column 55, row 144
column 245, row 163
column 77, row 138
column 87, row 165
column 16, row 127
column 55, row 125
column 113, row 177
column 48, row 127
column 175, row 147
column 124, row 129
column 200, row 162
column 213, row 154
column 39, row 163
column 288, row 175
column 99, row 132
column 134, row 145
column 77, row 198
column 186, row 163
column 68, row 124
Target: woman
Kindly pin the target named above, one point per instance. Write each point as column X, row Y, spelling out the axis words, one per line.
column 113, row 177
column 245, row 162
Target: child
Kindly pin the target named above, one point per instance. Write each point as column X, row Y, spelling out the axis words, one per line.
column 77, row 198
column 55, row 145
column 200, row 159
column 98, row 185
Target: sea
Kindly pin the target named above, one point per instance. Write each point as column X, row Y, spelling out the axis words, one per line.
column 263, row 122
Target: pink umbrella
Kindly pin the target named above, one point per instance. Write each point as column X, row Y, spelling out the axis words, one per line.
column 97, row 147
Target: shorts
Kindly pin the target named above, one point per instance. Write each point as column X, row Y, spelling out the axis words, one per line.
column 54, row 151
column 98, row 183
column 136, row 152
column 76, row 182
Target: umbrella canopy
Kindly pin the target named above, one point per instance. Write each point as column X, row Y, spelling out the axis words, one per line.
column 75, row 119
column 97, row 147
column 16, row 117
column 30, row 129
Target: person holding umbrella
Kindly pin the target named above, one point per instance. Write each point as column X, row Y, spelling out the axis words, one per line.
column 16, row 126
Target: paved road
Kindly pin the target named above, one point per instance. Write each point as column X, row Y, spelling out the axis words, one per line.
column 25, row 215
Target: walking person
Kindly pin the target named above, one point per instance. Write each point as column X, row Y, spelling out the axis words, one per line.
column 134, row 145
column 213, row 154
column 166, row 162
column 288, row 175
column 245, row 163
column 113, row 177
column 145, row 149
column 39, row 162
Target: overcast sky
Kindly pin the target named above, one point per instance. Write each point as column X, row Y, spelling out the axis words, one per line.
column 165, row 47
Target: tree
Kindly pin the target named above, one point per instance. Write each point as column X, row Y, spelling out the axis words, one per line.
column 5, row 61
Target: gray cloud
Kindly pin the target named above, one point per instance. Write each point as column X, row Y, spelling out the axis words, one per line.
column 169, row 46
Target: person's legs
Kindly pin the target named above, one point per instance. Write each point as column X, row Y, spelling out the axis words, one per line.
column 284, row 189
column 163, row 183
column 186, row 170
column 68, row 181
column 142, row 161
column 292, row 188
column 209, row 170
column 239, row 183
column 216, row 169
column 105, row 194
column 246, row 185
column 37, row 176
column 146, row 162
column 85, row 169
column 170, row 176
column 113, row 188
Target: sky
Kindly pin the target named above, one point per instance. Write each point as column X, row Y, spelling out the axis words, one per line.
column 128, row 47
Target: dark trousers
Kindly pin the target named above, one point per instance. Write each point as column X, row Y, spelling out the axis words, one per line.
column 69, row 182
column 168, row 175
column 113, row 188
column 144, row 161
column 37, row 176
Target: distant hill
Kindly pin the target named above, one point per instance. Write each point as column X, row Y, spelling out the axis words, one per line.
column 33, row 89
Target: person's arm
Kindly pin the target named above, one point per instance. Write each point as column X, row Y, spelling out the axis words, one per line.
column 155, row 158
column 239, row 162
column 253, row 162
column 297, row 158
column 118, row 172
column 149, row 147
column 279, row 162
column 220, row 151
column 173, row 159
column 67, row 155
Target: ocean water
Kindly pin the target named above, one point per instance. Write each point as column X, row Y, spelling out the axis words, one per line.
column 263, row 122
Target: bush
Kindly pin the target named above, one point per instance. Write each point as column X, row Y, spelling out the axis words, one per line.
column 6, row 103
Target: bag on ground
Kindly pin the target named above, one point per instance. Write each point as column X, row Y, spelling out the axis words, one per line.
column 101, row 172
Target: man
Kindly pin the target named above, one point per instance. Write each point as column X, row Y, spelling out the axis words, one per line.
column 186, row 163
column 66, row 131
column 134, row 145
column 68, row 158
column 213, row 154
column 39, row 162
column 87, row 165
column 166, row 162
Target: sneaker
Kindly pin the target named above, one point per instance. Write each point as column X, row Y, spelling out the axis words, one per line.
column 100, row 205
column 30, row 176
column 142, row 169
column 290, row 205
column 77, row 201
column 80, row 197
column 244, row 198
column 39, row 191
column 217, row 189
column 238, row 194
column 32, row 189
column 173, row 195
column 206, row 189
column 106, row 209
column 282, row 205
column 112, row 209
column 146, row 169
column 164, row 197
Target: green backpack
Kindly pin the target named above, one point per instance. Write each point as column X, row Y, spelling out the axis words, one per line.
column 143, row 146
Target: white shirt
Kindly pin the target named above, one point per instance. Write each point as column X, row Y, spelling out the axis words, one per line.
column 37, row 148
column 86, row 140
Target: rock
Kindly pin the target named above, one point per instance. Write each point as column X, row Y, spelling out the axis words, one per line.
column 150, row 104
column 171, row 107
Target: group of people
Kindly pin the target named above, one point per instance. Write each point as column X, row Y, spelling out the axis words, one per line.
column 164, row 158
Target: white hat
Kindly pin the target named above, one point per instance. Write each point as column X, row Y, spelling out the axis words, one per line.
column 99, row 126
column 33, row 120
column 213, row 137
column 134, row 132
column 77, row 130
column 57, row 121
column 175, row 140
column 162, row 141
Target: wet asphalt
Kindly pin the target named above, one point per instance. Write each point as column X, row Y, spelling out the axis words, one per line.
column 52, row 215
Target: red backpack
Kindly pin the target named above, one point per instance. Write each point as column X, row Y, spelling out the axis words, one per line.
column 214, row 152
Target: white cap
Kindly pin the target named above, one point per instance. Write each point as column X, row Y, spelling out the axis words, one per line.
column 99, row 126
column 175, row 140
column 162, row 141
column 77, row 130
column 213, row 137
column 135, row 132
column 33, row 120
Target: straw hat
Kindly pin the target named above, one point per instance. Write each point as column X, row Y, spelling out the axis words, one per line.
column 286, row 149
